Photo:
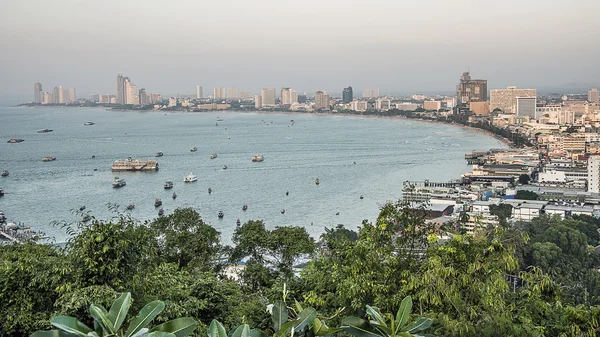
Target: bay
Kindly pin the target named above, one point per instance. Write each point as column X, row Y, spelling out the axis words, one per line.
column 386, row 151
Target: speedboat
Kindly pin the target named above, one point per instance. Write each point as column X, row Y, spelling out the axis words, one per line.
column 89, row 123
column 213, row 156
column 361, row 197
column 119, row 182
column 4, row 173
column 157, row 202
column 245, row 207
column 283, row 211
column 161, row 212
column 44, row 130
column 49, row 158
column 174, row 195
column 220, row 214
column 194, row 149
column 190, row 178
column 15, row 140
column 224, row 167
column 168, row 184
column 159, row 154
column 130, row 207
column 258, row 158
column 317, row 181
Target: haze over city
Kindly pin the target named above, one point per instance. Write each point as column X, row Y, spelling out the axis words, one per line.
column 414, row 46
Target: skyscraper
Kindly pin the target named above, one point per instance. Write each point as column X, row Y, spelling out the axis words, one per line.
column 131, row 93
column 506, row 99
column 593, row 95
column 144, row 97
column 63, row 95
column 72, row 96
column 55, row 95
column 48, row 98
column 121, row 90
column 268, row 97
column 286, row 97
column 370, row 93
column 232, row 93
column 347, row 95
column 219, row 93
column 198, row 91
column 38, row 96
column 257, row 102
column 321, row 100
column 469, row 90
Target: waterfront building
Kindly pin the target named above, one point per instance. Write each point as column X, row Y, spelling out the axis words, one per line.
column 469, row 90
column 245, row 94
column 38, row 96
column 347, row 95
column 407, row 106
column 63, row 95
column 285, row 97
column 95, row 98
column 432, row 105
column 55, row 95
column 172, row 102
column 156, row 98
column 450, row 102
column 526, row 106
column 593, row 96
column 232, row 93
column 506, row 99
column 131, row 93
column 219, row 93
column 321, row 100
column 72, row 96
column 257, row 101
column 370, row 93
column 383, row 104
column 593, row 177
column 121, row 89
column 48, row 98
column 359, row 105
column 418, row 97
column 198, row 91
column 480, row 108
column 268, row 97
column 144, row 97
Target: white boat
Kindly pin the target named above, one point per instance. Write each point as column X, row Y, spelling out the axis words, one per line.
column 194, row 149
column 258, row 158
column 190, row 178
column 213, row 156
column 119, row 182
column 49, row 158
column 88, row 123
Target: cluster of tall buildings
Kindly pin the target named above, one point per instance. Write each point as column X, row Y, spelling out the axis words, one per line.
column 128, row 93
column 58, row 95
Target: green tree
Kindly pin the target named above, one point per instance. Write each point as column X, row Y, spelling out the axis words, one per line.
column 524, row 179
column 526, row 195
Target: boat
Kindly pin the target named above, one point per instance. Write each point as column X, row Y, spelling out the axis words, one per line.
column 82, row 208
column 118, row 182
column 4, row 173
column 190, row 178
column 238, row 222
column 228, row 137
column 194, row 149
column 134, row 165
column 159, row 154
column 88, row 123
column 157, row 202
column 1, row 192
column 93, row 156
column 361, row 197
column 15, row 140
column 174, row 195
column 220, row 214
column 130, row 206
column 317, row 181
column 168, row 184
column 86, row 218
column 287, row 193
column 216, row 124
column 49, row 158
column 213, row 156
column 209, row 190
column 44, row 130
column 161, row 212
column 283, row 211
column 245, row 207
column 224, row 167
column 219, row 119
column 258, row 158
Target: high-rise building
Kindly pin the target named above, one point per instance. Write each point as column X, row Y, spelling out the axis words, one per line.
column 232, row 93
column 593, row 177
column 257, row 102
column 268, row 97
column 172, row 101
column 219, row 93
column 293, row 96
column 48, row 98
column 156, row 98
column 55, row 95
column 144, row 97
column 95, row 98
column 432, row 105
column 469, row 90
column 38, row 96
column 198, row 91
column 63, row 95
column 526, row 106
column 506, row 99
column 245, row 94
column 121, row 89
column 370, row 93
column 72, row 96
column 286, row 96
column 131, row 93
column 593, row 96
column 347, row 95
column 321, row 100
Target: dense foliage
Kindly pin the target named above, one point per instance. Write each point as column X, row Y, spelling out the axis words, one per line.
column 538, row 278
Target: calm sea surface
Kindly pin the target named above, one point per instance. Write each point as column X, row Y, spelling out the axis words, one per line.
column 387, row 152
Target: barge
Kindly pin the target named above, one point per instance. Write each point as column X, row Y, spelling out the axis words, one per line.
column 134, row 165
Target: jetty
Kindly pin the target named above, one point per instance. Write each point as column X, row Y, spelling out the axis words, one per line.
column 134, row 165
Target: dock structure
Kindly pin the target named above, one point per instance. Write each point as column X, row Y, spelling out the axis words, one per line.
column 134, row 165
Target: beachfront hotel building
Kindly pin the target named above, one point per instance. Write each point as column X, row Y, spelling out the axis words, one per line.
column 506, row 99
column 469, row 90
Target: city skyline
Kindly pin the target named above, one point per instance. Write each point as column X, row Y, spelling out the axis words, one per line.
column 399, row 56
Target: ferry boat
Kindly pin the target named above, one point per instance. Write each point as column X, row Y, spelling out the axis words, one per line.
column 168, row 184
column 194, row 149
column 49, row 158
column 258, row 158
column 213, row 156
column 159, row 154
column 88, row 123
column 119, row 182
column 15, row 140
column 245, row 207
column 220, row 214
column 134, row 165
column 190, row 178
column 4, row 173
column 157, row 202
column 130, row 206
column 44, row 130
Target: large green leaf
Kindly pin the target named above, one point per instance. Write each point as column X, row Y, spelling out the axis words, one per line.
column 118, row 310
column 420, row 324
column 376, row 315
column 241, row 331
column 145, row 316
column 100, row 315
column 50, row 333
column 280, row 315
column 358, row 327
column 257, row 333
column 157, row 334
column 180, row 327
column 305, row 318
column 320, row 329
column 404, row 312
column 285, row 327
column 216, row 329
column 71, row 325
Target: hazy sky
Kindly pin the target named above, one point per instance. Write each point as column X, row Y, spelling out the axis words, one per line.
column 395, row 45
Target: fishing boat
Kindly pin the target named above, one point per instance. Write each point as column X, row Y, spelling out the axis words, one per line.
column 161, row 212
column 174, row 195
column 44, row 130
column 118, row 182
column 194, row 149
column 220, row 214
column 245, row 207
column 88, row 123
column 49, row 158
column 159, row 154
column 130, row 206
column 317, row 181
column 190, row 178
column 157, row 202
column 213, row 156
column 258, row 158
column 4, row 173
column 168, row 185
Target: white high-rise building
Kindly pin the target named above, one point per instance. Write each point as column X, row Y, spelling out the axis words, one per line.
column 506, row 99
column 232, row 93
column 321, row 100
column 268, row 97
column 131, row 93
column 198, row 91
column 72, row 96
column 370, row 93
column 245, row 94
column 38, row 95
column 257, row 101
column 593, row 178
column 288, row 96
column 219, row 93
column 63, row 95
column 48, row 98
column 594, row 96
